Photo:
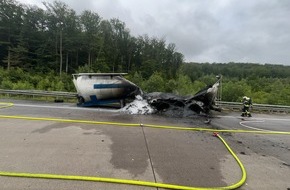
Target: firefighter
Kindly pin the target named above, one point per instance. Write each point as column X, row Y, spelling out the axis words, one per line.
column 247, row 103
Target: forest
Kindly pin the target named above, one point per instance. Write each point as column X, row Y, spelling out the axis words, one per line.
column 41, row 48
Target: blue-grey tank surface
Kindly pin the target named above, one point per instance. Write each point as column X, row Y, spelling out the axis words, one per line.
column 103, row 88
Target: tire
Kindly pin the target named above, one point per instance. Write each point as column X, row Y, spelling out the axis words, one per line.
column 81, row 100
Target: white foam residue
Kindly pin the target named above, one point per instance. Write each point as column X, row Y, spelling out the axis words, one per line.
column 138, row 106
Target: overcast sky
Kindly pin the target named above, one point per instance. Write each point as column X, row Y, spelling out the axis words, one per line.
column 221, row 31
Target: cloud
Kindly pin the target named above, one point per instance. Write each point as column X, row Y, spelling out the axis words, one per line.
column 205, row 30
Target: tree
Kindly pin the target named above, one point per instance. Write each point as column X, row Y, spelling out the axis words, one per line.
column 11, row 14
column 61, row 24
column 92, row 42
column 32, row 38
column 234, row 91
column 154, row 83
column 184, row 85
column 137, row 79
column 148, row 67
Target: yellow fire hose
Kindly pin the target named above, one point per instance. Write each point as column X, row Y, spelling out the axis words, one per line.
column 134, row 182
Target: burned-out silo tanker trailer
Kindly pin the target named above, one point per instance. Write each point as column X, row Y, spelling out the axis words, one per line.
column 95, row 89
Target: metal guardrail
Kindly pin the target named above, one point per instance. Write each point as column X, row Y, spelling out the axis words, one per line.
column 56, row 94
column 233, row 106
column 237, row 106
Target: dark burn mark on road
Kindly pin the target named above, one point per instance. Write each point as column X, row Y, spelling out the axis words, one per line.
column 129, row 154
column 51, row 127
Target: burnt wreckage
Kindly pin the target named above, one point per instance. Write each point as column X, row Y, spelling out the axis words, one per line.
column 202, row 102
column 106, row 88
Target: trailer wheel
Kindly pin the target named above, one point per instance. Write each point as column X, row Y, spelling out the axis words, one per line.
column 81, row 100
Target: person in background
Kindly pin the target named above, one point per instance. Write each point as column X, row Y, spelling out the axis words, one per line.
column 247, row 103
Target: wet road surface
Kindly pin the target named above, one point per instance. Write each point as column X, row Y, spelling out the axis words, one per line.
column 266, row 157
column 165, row 156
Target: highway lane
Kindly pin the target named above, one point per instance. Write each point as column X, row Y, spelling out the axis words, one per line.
column 270, row 122
column 266, row 157
column 165, row 156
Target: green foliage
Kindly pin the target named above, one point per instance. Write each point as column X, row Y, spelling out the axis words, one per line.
column 197, row 85
column 84, row 69
column 44, row 84
column 136, row 79
column 58, row 39
column 235, row 70
column 234, row 91
column 101, row 66
column 260, row 97
column 171, row 86
column 148, row 67
column 22, row 85
column 266, row 84
column 261, row 90
column 58, row 86
column 17, row 79
column 7, row 84
column 184, row 85
column 154, row 83
column 16, row 75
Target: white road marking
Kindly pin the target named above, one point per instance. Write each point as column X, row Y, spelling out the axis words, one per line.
column 257, row 121
column 260, row 118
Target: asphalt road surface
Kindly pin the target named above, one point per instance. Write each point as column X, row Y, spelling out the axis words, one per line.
column 181, row 157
